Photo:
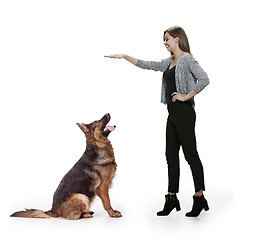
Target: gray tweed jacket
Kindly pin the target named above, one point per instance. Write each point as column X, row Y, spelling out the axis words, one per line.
column 189, row 75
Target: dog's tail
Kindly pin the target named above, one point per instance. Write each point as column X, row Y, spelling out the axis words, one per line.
column 34, row 213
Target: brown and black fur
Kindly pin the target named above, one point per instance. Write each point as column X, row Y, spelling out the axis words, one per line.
column 92, row 175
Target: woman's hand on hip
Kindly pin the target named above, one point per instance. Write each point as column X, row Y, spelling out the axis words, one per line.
column 178, row 96
column 181, row 97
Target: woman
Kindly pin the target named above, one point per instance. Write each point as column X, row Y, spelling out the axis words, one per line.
column 183, row 78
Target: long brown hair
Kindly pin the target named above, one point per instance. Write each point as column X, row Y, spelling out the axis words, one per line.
column 179, row 32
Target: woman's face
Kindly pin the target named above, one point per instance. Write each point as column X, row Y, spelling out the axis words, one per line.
column 170, row 42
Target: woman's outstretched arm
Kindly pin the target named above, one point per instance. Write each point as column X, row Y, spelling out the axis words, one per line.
column 149, row 65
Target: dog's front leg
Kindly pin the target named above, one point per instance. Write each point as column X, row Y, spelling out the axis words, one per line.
column 103, row 193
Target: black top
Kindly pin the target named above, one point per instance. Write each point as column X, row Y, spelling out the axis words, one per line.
column 169, row 77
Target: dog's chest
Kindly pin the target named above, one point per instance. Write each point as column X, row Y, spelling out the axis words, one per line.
column 105, row 156
column 107, row 171
column 106, row 165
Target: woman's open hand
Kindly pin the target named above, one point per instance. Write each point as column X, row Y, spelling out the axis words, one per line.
column 126, row 57
column 119, row 56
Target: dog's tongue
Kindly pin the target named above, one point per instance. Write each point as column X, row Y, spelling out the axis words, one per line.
column 110, row 128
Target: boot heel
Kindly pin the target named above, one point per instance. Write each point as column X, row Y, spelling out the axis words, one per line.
column 178, row 208
column 206, row 208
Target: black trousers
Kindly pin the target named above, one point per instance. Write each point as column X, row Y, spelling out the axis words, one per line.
column 181, row 132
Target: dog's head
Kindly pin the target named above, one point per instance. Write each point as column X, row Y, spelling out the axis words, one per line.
column 97, row 130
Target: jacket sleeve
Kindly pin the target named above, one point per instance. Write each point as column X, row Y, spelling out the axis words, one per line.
column 199, row 74
column 154, row 65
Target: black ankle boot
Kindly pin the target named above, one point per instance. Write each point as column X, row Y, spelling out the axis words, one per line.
column 199, row 204
column 170, row 203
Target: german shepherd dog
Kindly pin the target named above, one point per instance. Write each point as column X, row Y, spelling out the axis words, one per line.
column 90, row 176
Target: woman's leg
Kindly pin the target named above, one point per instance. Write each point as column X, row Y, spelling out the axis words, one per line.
column 199, row 193
column 172, row 156
column 186, row 134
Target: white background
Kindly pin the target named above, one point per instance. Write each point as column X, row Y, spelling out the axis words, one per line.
column 54, row 74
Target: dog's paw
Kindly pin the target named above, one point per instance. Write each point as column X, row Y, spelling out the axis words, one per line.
column 91, row 212
column 87, row 215
column 114, row 213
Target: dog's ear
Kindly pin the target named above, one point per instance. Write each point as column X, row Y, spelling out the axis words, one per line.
column 83, row 127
